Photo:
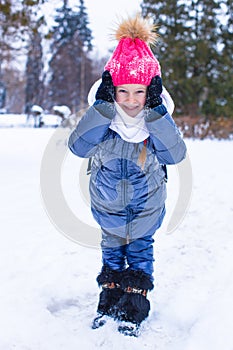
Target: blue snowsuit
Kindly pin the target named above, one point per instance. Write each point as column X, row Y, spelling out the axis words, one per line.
column 127, row 199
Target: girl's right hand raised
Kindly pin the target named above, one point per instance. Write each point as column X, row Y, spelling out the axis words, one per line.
column 106, row 89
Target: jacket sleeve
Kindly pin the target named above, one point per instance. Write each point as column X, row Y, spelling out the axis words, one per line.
column 166, row 137
column 91, row 129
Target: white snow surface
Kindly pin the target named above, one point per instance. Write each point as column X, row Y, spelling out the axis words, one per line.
column 48, row 293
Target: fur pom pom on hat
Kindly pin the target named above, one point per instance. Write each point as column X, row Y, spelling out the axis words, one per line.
column 132, row 61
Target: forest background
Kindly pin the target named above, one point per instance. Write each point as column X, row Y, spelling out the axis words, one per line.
column 52, row 61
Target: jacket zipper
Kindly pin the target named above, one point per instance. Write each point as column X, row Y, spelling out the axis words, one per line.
column 129, row 214
column 124, row 173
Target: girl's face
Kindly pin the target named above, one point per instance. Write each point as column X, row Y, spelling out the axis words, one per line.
column 131, row 98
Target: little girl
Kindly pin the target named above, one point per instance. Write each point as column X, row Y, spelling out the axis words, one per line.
column 131, row 136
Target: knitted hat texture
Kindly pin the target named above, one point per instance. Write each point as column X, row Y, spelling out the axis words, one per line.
column 132, row 61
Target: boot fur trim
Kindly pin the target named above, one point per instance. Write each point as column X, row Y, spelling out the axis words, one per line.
column 108, row 276
column 136, row 279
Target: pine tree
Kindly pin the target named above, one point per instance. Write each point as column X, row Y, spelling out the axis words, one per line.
column 19, row 21
column 15, row 23
column 171, row 17
column 227, row 66
column 34, row 69
column 70, row 66
column 220, row 101
column 66, row 25
column 15, row 86
column 70, row 21
column 65, row 82
column 85, row 34
column 204, row 61
column 188, row 49
column 10, row 24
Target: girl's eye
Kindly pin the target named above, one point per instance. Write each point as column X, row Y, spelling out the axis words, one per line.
column 141, row 92
column 122, row 91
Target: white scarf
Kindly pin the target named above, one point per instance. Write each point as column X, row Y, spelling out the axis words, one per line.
column 131, row 129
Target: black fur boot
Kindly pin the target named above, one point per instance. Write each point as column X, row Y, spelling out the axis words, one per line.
column 133, row 306
column 111, row 292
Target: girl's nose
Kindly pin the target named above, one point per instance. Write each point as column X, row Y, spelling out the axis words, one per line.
column 131, row 98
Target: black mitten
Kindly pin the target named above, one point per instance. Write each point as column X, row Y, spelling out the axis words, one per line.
column 106, row 89
column 154, row 91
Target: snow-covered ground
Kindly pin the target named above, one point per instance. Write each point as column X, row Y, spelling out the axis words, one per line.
column 13, row 120
column 48, row 292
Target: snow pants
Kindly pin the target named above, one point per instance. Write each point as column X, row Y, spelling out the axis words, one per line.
column 136, row 254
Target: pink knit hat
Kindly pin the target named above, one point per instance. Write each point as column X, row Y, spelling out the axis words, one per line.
column 132, row 61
